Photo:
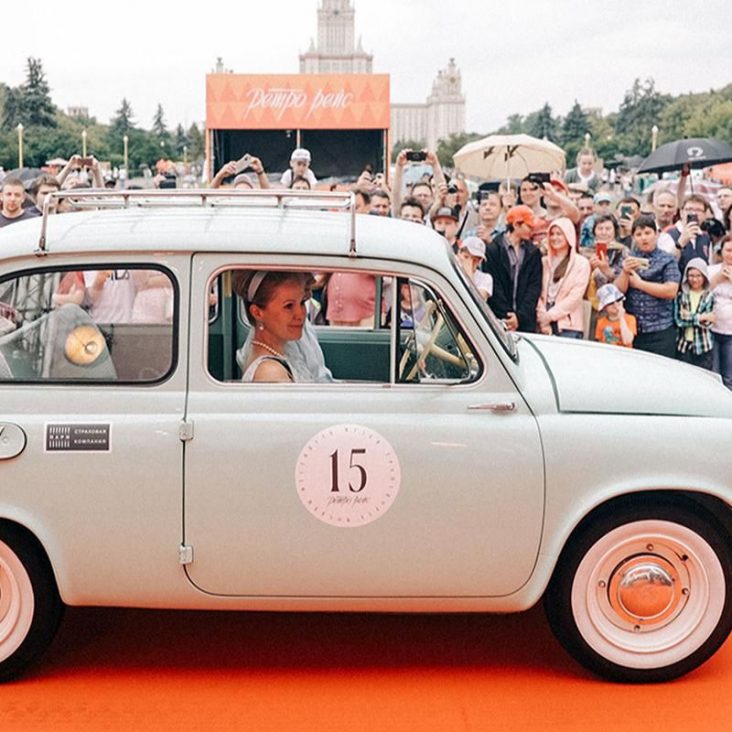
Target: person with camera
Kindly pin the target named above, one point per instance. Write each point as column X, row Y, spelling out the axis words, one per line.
column 78, row 171
column 425, row 194
column 627, row 211
column 237, row 168
column 514, row 263
column 490, row 218
column 650, row 280
column 686, row 240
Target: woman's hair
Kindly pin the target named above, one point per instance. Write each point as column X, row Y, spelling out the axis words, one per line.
column 300, row 179
column 244, row 280
column 602, row 219
column 644, row 222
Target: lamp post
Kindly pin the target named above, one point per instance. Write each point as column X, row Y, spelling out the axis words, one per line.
column 126, row 141
column 185, row 154
column 20, row 145
column 587, row 139
column 654, row 137
column 83, row 143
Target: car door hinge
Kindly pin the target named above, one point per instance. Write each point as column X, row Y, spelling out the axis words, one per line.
column 185, row 554
column 185, row 431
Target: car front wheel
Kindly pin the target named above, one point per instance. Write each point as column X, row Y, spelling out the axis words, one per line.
column 30, row 607
column 643, row 593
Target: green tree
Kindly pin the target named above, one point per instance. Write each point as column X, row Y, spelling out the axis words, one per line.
column 514, row 125
column 159, row 127
column 35, row 105
column 574, row 128
column 542, row 124
column 196, row 148
column 641, row 109
column 448, row 146
column 181, row 143
column 123, row 120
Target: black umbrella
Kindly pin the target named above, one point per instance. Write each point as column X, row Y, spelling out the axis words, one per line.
column 27, row 175
column 698, row 152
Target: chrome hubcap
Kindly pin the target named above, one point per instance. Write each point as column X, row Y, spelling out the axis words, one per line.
column 646, row 590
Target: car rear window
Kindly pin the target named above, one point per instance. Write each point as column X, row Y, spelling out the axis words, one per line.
column 96, row 325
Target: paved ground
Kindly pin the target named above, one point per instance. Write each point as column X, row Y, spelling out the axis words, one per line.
column 136, row 670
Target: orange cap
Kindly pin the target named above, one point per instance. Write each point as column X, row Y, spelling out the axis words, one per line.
column 521, row 215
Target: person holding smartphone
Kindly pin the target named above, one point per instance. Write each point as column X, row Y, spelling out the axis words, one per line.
column 626, row 212
column 686, row 240
column 650, row 280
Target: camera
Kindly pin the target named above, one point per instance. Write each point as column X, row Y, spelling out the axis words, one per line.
column 86, row 162
column 452, row 188
column 538, row 178
column 169, row 181
column 713, row 227
column 416, row 156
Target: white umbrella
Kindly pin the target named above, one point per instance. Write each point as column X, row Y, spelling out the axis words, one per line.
column 509, row 156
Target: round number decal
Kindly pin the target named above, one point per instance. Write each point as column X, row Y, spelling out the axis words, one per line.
column 347, row 475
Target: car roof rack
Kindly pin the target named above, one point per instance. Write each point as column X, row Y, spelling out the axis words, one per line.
column 204, row 197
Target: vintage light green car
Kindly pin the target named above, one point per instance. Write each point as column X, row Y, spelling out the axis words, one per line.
column 447, row 467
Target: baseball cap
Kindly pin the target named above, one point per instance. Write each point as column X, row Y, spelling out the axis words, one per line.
column 445, row 213
column 521, row 215
column 608, row 294
column 602, row 198
column 300, row 153
column 474, row 245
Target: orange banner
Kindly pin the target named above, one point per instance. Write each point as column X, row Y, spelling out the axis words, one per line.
column 302, row 101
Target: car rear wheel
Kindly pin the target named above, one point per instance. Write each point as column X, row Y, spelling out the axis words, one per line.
column 643, row 593
column 30, row 606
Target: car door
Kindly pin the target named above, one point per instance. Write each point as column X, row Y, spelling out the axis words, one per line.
column 430, row 487
column 93, row 402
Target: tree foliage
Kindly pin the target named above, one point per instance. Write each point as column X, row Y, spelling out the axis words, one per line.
column 48, row 132
column 448, row 146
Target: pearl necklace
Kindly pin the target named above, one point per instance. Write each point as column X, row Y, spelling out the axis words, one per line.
column 268, row 348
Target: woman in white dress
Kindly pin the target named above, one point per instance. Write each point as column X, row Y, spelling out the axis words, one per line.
column 275, row 305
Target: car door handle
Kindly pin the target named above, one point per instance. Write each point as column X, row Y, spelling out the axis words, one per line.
column 493, row 407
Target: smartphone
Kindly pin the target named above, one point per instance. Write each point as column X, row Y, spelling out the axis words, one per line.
column 86, row 162
column 641, row 262
column 626, row 212
column 692, row 218
column 416, row 156
column 243, row 163
column 539, row 178
column 601, row 249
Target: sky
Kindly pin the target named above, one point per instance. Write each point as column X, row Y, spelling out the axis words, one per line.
column 514, row 55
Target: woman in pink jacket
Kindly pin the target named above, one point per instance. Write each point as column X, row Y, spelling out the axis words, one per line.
column 565, row 277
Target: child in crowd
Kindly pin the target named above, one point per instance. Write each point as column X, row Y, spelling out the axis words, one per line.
column 694, row 317
column 614, row 326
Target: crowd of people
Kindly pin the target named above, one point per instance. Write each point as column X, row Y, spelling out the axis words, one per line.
column 573, row 256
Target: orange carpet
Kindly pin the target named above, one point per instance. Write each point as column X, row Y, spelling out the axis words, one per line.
column 140, row 670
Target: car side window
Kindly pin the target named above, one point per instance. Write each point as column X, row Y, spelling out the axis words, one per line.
column 358, row 340
column 88, row 325
column 432, row 346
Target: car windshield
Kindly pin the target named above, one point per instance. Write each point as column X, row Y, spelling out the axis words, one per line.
column 507, row 340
